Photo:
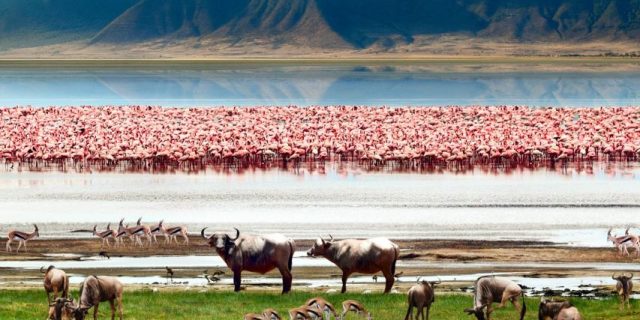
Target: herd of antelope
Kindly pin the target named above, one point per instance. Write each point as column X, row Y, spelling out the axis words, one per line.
column 264, row 253
column 140, row 231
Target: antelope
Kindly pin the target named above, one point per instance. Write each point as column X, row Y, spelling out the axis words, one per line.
column 421, row 296
column 368, row 256
column 305, row 313
column 624, row 287
column 132, row 233
column 21, row 237
column 173, row 232
column 267, row 314
column 56, row 281
column 104, row 235
column 557, row 310
column 635, row 239
column 325, row 306
column 621, row 243
column 145, row 231
column 490, row 289
column 355, row 306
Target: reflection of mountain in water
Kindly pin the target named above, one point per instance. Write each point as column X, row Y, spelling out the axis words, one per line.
column 305, row 86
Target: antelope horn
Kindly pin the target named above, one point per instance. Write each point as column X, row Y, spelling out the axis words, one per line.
column 35, row 226
column 109, row 226
column 202, row 233
column 237, row 234
column 121, row 221
column 609, row 232
column 138, row 222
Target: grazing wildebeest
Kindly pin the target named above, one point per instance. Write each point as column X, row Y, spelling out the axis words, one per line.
column 557, row 310
column 259, row 254
column 490, row 289
column 421, row 296
column 60, row 309
column 56, row 281
column 21, row 237
column 94, row 290
column 368, row 256
column 325, row 306
column 624, row 287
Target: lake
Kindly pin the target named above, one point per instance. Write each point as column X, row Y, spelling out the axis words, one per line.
column 325, row 84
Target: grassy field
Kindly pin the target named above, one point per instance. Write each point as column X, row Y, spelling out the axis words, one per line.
column 181, row 304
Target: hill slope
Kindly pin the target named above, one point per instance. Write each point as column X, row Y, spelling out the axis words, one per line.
column 327, row 24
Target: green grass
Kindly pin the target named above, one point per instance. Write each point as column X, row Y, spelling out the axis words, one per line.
column 180, row 304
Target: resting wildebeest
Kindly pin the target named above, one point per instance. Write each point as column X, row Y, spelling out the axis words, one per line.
column 421, row 296
column 56, row 281
column 94, row 290
column 557, row 310
column 259, row 254
column 364, row 256
column 624, row 287
column 490, row 289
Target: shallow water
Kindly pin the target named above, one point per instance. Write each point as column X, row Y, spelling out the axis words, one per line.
column 571, row 207
column 319, row 85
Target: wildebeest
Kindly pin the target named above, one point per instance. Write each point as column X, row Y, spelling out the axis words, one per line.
column 364, row 256
column 56, row 281
column 259, row 254
column 557, row 310
column 624, row 287
column 421, row 296
column 94, row 290
column 490, row 289
column 60, row 309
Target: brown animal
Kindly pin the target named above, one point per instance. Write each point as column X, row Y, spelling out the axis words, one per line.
column 271, row 314
column 305, row 313
column 355, row 306
column 21, row 237
column 56, row 281
column 259, row 254
column 364, row 256
column 94, row 290
column 172, row 233
column 624, row 287
column 490, row 289
column 557, row 310
column 60, row 309
column 421, row 296
column 104, row 235
column 325, row 306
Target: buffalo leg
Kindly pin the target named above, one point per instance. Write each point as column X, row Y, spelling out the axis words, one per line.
column 287, row 278
column 237, row 278
column 95, row 311
column 345, row 277
column 388, row 276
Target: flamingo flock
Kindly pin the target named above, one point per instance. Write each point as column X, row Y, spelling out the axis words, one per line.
column 147, row 138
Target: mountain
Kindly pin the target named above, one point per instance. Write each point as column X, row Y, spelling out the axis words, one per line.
column 355, row 25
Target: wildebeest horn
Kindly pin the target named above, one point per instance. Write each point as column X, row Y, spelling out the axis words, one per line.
column 202, row 233
column 42, row 269
column 237, row 234
column 438, row 282
column 322, row 240
column 330, row 237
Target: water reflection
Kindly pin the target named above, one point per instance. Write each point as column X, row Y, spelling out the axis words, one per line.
column 314, row 85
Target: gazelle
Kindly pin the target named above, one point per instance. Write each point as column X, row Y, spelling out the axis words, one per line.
column 635, row 240
column 145, row 231
column 21, row 237
column 131, row 232
column 172, row 233
column 355, row 306
column 621, row 243
column 104, row 235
